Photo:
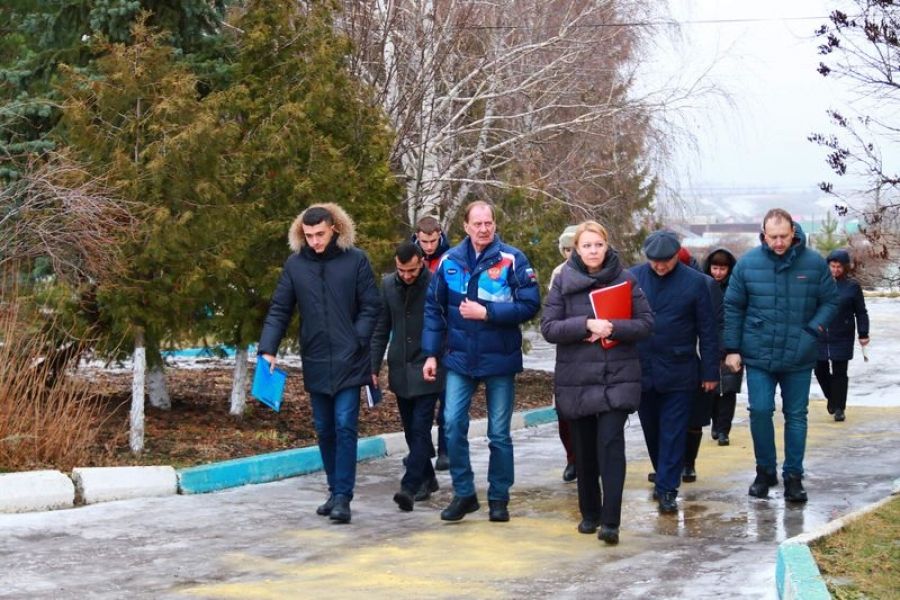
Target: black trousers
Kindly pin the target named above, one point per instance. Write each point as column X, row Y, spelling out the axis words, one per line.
column 723, row 412
column 834, row 383
column 417, row 415
column 600, row 457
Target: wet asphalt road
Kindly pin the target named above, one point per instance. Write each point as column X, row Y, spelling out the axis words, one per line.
column 266, row 541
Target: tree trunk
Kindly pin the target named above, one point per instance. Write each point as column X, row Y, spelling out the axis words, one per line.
column 136, row 434
column 156, row 389
column 239, row 382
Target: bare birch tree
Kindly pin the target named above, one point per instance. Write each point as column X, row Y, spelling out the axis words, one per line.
column 488, row 96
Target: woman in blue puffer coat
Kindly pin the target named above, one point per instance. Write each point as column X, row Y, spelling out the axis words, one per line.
column 836, row 342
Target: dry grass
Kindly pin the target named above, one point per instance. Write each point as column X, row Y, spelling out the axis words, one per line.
column 863, row 559
column 41, row 425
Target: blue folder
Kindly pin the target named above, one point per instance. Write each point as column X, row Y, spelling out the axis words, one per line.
column 268, row 385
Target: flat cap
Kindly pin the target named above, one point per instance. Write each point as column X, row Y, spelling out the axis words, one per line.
column 661, row 245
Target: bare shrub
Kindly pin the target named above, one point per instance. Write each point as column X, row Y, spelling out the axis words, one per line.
column 41, row 425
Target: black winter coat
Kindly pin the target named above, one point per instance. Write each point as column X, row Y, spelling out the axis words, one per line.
column 339, row 304
column 589, row 379
column 836, row 343
column 399, row 329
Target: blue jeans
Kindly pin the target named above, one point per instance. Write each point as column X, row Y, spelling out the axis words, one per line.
column 500, row 392
column 664, row 420
column 794, row 401
column 417, row 414
column 336, row 419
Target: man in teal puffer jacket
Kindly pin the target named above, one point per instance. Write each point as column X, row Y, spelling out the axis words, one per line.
column 780, row 299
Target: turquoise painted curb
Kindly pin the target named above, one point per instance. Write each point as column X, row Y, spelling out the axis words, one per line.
column 265, row 467
column 539, row 416
column 797, row 576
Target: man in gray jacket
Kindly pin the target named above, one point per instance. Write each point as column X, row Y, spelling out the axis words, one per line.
column 403, row 310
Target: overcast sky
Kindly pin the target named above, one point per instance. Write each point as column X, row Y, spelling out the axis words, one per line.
column 766, row 64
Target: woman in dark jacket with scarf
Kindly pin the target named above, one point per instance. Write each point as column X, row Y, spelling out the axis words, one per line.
column 596, row 388
column 836, row 342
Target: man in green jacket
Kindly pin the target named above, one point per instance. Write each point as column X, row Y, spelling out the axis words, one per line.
column 780, row 299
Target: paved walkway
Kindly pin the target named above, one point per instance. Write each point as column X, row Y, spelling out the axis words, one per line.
column 265, row 541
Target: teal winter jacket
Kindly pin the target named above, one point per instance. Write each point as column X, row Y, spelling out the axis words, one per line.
column 776, row 307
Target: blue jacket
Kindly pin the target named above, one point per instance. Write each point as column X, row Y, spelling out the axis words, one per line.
column 836, row 343
column 683, row 312
column 776, row 305
column 501, row 279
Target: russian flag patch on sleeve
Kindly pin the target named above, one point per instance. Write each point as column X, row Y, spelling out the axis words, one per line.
column 530, row 273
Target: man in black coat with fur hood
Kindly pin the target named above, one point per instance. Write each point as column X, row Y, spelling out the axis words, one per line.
column 332, row 285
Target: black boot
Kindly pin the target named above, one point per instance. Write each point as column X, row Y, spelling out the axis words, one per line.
column 793, row 488
column 667, row 502
column 588, row 525
column 340, row 512
column 427, row 489
column 569, row 473
column 405, row 500
column 609, row 534
column 764, row 480
column 459, row 507
column 723, row 439
column 442, row 463
column 498, row 511
column 325, row 509
column 691, row 449
column 839, row 415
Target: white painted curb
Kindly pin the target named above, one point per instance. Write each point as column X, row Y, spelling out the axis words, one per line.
column 35, row 491
column 394, row 443
column 102, row 484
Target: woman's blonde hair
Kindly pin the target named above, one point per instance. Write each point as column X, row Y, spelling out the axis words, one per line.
column 592, row 226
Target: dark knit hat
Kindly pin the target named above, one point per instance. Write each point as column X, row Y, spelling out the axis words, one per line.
column 840, row 255
column 661, row 245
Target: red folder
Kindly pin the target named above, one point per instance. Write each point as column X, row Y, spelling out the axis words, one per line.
column 613, row 302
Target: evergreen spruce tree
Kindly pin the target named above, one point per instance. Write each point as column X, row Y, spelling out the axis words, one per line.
column 293, row 129
column 124, row 120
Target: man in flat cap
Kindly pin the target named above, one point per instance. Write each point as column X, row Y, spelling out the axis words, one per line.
column 671, row 372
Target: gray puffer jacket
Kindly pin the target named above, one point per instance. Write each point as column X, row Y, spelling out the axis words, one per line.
column 590, row 379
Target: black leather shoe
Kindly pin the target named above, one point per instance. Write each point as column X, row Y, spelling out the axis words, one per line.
column 340, row 512
column 325, row 509
column 764, row 480
column 427, row 489
column 442, row 463
column 404, row 500
column 588, row 526
column 651, row 477
column 459, row 507
column 569, row 473
column 793, row 487
column 839, row 415
column 668, row 503
column 689, row 474
column 609, row 534
column 497, row 511
column 723, row 439
column 714, row 434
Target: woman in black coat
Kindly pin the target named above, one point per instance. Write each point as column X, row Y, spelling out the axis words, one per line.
column 836, row 342
column 596, row 388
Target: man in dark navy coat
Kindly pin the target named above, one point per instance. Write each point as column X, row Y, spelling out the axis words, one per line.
column 331, row 283
column 671, row 372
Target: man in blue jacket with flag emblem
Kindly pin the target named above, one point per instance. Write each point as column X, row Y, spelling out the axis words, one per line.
column 481, row 292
